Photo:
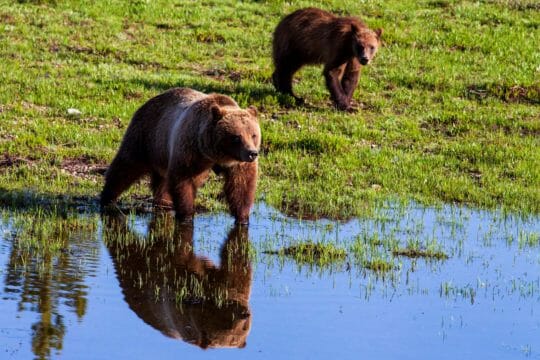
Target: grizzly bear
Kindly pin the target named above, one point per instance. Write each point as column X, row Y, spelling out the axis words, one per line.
column 178, row 137
column 315, row 36
column 186, row 297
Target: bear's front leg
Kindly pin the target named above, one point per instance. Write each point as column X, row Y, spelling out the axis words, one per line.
column 332, row 76
column 240, row 185
column 183, row 180
column 350, row 78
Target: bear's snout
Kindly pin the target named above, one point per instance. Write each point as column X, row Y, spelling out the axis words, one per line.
column 364, row 60
column 249, row 155
column 253, row 155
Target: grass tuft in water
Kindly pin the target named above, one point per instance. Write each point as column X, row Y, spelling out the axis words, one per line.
column 312, row 253
column 378, row 265
column 46, row 233
column 415, row 249
column 526, row 239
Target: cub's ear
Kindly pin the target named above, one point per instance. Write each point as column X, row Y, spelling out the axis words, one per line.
column 252, row 110
column 217, row 112
column 355, row 29
column 379, row 32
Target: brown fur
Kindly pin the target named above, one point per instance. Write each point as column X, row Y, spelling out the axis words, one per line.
column 314, row 36
column 214, row 310
column 178, row 137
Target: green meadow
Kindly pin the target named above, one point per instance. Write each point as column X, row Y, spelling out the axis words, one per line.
column 449, row 111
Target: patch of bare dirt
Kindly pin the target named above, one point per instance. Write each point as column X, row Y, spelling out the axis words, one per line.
column 210, row 38
column 31, row 106
column 83, row 167
column 9, row 161
column 508, row 93
column 220, row 74
column 7, row 19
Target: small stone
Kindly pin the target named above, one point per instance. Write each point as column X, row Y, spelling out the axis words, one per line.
column 74, row 112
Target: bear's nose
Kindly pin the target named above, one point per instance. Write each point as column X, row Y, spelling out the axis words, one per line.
column 253, row 155
column 364, row 60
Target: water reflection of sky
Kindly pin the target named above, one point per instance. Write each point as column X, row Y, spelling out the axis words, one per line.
column 482, row 302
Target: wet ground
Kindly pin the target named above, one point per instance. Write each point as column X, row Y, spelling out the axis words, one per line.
column 140, row 287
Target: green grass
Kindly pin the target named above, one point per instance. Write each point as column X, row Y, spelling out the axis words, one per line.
column 415, row 249
column 423, row 253
column 378, row 265
column 46, row 235
column 449, row 111
column 530, row 240
column 370, row 251
column 320, row 254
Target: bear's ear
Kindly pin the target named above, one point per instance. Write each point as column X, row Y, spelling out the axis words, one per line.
column 217, row 112
column 379, row 32
column 252, row 110
column 355, row 29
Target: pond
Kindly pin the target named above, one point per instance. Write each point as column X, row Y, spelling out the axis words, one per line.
column 404, row 282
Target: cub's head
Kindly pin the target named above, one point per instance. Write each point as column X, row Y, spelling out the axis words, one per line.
column 366, row 42
column 237, row 136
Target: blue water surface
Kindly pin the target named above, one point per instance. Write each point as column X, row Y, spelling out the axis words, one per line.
column 482, row 302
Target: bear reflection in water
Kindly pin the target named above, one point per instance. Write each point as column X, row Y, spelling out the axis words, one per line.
column 183, row 295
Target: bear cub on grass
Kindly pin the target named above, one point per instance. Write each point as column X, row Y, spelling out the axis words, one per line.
column 315, row 36
column 178, row 137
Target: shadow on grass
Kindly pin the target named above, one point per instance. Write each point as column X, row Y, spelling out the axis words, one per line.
column 29, row 200
column 243, row 94
column 200, row 85
column 32, row 201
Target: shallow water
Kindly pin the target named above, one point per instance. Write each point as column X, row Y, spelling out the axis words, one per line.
column 139, row 288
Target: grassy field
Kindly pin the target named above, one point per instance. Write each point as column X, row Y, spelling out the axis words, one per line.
column 449, row 111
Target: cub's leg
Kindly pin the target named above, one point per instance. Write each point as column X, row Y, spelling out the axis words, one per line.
column 240, row 185
column 119, row 176
column 283, row 75
column 332, row 75
column 350, row 78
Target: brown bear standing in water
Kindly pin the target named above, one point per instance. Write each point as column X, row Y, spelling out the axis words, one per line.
column 315, row 36
column 178, row 137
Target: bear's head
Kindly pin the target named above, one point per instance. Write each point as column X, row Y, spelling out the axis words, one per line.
column 366, row 42
column 236, row 134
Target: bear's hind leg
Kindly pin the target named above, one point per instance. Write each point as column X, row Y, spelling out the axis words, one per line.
column 240, row 185
column 160, row 191
column 283, row 76
column 120, row 176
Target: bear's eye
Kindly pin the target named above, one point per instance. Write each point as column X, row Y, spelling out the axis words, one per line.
column 254, row 136
column 236, row 139
column 372, row 48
